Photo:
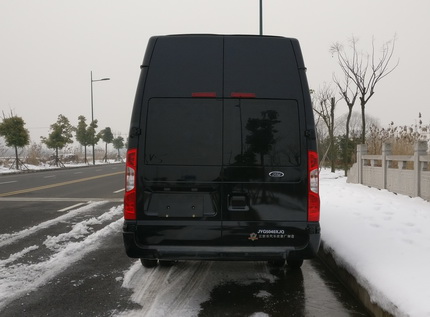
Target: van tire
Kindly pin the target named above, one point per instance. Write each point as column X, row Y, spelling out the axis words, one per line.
column 295, row 263
column 149, row 263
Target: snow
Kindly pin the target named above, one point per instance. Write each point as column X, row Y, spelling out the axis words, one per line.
column 186, row 285
column 382, row 239
column 43, row 167
column 9, row 238
column 29, row 167
column 17, row 279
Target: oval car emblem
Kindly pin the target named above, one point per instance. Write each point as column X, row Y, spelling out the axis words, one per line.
column 276, row 174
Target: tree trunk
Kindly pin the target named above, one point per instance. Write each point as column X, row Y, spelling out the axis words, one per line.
column 16, row 158
column 346, row 145
column 363, row 121
column 333, row 151
column 106, row 152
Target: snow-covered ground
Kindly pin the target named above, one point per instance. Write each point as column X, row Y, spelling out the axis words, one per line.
column 381, row 238
column 28, row 167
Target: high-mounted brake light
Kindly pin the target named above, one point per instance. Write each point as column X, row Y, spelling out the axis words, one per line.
column 313, row 187
column 130, row 185
column 203, row 95
column 243, row 95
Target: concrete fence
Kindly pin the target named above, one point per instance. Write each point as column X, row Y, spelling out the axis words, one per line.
column 403, row 174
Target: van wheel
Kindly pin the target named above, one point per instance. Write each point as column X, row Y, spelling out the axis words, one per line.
column 149, row 263
column 295, row 263
column 276, row 263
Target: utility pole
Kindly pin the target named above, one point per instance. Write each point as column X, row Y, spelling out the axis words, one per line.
column 92, row 108
column 261, row 17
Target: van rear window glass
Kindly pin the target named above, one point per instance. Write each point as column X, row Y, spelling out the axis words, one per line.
column 261, row 132
column 182, row 131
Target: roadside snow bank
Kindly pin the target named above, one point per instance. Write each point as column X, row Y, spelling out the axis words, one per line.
column 382, row 239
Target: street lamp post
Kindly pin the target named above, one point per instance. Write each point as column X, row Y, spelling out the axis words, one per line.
column 92, row 107
column 261, row 17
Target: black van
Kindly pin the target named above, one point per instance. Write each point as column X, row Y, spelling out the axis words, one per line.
column 222, row 159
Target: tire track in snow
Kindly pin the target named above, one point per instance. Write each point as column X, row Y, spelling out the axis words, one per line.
column 16, row 280
column 188, row 285
column 181, row 289
column 9, row 238
column 166, row 291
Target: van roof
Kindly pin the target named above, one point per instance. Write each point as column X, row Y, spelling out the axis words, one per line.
column 183, row 64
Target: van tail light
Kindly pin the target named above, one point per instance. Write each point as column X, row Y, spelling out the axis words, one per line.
column 130, row 185
column 313, row 187
column 243, row 95
column 203, row 94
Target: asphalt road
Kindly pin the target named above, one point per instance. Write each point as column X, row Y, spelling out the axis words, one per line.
column 30, row 198
column 61, row 253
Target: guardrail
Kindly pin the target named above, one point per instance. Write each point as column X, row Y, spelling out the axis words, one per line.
column 403, row 174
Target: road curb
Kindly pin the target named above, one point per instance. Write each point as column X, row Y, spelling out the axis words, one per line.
column 351, row 283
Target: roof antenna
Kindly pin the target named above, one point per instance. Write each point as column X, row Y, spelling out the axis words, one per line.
column 261, row 17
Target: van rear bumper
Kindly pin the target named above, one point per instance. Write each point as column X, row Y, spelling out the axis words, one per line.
column 233, row 253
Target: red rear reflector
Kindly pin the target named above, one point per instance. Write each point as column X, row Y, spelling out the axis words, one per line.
column 313, row 207
column 243, row 95
column 130, row 205
column 313, row 187
column 130, row 185
column 203, row 95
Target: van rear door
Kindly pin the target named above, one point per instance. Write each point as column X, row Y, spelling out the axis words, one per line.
column 265, row 156
column 180, row 146
column 264, row 183
column 181, row 170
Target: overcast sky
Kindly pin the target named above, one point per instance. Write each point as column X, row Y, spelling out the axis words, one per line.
column 49, row 47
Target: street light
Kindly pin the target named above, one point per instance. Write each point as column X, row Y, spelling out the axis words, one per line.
column 92, row 107
column 261, row 17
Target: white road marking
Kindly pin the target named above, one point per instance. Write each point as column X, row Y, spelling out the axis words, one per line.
column 10, row 182
column 71, row 207
column 118, row 191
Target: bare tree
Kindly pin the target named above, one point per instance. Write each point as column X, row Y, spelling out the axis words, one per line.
column 365, row 71
column 324, row 106
column 349, row 93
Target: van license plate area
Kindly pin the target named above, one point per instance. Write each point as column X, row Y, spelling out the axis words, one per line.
column 177, row 205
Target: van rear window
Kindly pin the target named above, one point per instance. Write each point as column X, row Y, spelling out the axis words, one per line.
column 254, row 132
column 182, row 131
column 261, row 132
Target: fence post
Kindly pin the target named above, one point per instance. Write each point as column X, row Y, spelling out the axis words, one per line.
column 386, row 150
column 361, row 150
column 420, row 148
